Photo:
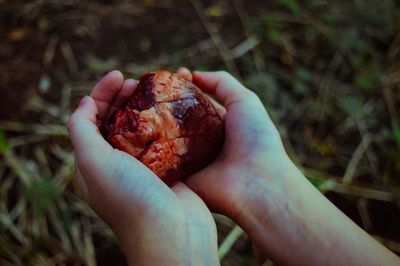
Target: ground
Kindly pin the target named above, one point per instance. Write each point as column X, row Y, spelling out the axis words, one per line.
column 327, row 72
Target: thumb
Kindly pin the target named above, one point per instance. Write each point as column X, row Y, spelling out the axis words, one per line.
column 90, row 147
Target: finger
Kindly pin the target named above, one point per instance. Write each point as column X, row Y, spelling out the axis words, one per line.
column 185, row 73
column 125, row 92
column 247, row 113
column 223, row 85
column 105, row 91
column 219, row 108
column 123, row 95
column 90, row 146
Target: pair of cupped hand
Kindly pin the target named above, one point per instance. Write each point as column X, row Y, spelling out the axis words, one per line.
column 150, row 218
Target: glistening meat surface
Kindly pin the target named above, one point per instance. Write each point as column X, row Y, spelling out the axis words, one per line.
column 169, row 125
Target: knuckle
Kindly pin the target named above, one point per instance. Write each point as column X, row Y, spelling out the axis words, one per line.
column 224, row 74
column 250, row 95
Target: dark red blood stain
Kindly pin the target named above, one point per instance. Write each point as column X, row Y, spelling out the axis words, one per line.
column 125, row 121
column 122, row 121
column 189, row 112
column 173, row 175
column 143, row 97
column 182, row 108
column 199, row 122
column 106, row 128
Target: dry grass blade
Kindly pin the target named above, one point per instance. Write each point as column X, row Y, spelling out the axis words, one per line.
column 257, row 54
column 56, row 130
column 6, row 184
column 19, row 208
column 42, row 161
column 356, row 158
column 59, row 228
column 191, row 51
column 89, row 251
column 25, row 139
column 371, row 156
column 222, row 219
column 18, row 167
column 41, row 260
column 389, row 96
column 66, row 100
column 9, row 225
column 63, row 176
column 37, row 104
column 229, row 241
column 392, row 245
column 358, row 191
column 244, row 47
column 69, row 56
column 362, row 206
column 49, row 53
column 217, row 38
column 76, row 235
column 11, row 252
column 389, row 83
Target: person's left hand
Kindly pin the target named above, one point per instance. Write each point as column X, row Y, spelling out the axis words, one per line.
column 156, row 225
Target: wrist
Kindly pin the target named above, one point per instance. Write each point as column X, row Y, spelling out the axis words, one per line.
column 271, row 212
column 270, row 187
column 177, row 241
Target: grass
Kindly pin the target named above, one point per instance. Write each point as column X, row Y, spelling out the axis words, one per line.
column 327, row 72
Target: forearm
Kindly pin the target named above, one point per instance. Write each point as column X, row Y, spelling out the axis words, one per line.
column 293, row 223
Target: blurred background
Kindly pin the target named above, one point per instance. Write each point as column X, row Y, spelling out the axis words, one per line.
column 328, row 72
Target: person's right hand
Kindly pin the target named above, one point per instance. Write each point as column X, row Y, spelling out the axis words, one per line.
column 254, row 182
column 252, row 151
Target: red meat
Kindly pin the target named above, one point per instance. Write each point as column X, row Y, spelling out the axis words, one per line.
column 169, row 125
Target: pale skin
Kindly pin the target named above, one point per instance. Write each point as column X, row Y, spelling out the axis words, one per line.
column 253, row 181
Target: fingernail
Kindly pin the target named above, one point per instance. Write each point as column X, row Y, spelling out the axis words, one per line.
column 115, row 72
column 183, row 69
column 83, row 101
column 131, row 80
